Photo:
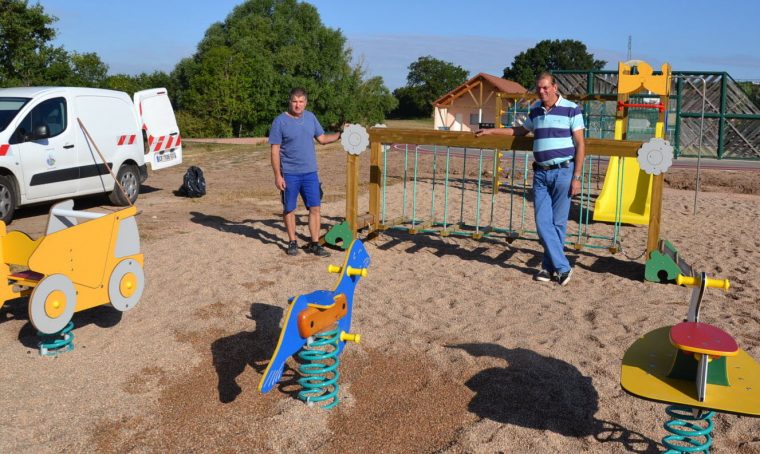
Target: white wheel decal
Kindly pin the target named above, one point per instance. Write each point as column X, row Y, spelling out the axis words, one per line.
column 52, row 303
column 126, row 285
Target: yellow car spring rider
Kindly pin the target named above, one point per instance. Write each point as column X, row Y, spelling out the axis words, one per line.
column 84, row 260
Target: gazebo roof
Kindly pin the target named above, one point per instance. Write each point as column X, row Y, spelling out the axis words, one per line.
column 502, row 85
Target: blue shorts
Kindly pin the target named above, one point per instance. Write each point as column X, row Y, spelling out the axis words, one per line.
column 305, row 184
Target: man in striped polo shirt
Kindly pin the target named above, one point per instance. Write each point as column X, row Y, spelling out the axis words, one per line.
column 559, row 151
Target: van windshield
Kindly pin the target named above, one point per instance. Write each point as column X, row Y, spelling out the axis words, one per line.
column 9, row 107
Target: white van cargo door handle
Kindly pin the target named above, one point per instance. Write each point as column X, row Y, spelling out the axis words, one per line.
column 68, row 146
column 173, row 134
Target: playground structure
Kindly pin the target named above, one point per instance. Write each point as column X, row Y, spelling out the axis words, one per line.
column 459, row 147
column 447, row 170
column 73, row 267
column 317, row 326
column 438, row 160
column 695, row 367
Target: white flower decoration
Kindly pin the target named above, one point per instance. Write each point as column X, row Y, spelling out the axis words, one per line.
column 655, row 156
column 354, row 139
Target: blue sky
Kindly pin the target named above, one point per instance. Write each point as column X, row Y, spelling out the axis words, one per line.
column 142, row 36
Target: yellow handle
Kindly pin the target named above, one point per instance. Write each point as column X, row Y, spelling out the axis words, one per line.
column 357, row 271
column 695, row 281
column 334, row 269
column 346, row 337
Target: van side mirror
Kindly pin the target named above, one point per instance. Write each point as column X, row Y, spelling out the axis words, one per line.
column 40, row 132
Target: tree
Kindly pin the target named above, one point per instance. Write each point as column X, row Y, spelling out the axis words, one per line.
column 24, row 34
column 240, row 76
column 752, row 90
column 142, row 81
column 87, row 70
column 550, row 55
column 428, row 80
column 27, row 58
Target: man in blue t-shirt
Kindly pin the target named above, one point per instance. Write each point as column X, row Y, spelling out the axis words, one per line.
column 559, row 151
column 294, row 161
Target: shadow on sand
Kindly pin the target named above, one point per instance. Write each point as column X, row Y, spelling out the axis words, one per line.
column 543, row 393
column 232, row 354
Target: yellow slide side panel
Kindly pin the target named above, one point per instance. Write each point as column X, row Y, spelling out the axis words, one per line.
column 659, row 129
column 636, row 194
column 619, row 126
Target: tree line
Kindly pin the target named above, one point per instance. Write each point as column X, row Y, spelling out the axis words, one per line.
column 239, row 77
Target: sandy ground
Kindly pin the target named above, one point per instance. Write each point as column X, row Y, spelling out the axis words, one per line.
column 461, row 350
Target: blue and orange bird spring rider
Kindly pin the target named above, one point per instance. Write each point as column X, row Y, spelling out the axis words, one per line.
column 317, row 326
column 695, row 367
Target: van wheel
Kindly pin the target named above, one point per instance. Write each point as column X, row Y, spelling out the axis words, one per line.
column 129, row 177
column 7, row 198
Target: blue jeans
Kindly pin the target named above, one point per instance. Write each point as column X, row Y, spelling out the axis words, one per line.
column 551, row 199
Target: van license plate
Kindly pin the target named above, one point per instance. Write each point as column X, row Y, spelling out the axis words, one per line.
column 170, row 156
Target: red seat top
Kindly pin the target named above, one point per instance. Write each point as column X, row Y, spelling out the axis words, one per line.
column 703, row 338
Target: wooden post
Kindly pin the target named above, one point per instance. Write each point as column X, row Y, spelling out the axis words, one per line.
column 375, row 183
column 655, row 207
column 352, row 191
column 655, row 212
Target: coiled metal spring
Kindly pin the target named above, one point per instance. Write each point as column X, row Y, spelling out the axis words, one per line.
column 319, row 370
column 690, row 432
column 57, row 343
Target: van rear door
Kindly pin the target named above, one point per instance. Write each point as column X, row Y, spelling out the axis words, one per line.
column 164, row 147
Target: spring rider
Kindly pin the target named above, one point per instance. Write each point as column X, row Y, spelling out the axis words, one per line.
column 317, row 326
column 695, row 367
column 84, row 260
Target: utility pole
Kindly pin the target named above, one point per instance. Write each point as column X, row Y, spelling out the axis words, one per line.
column 629, row 48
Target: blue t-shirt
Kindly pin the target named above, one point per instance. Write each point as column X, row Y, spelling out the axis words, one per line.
column 295, row 136
column 553, row 131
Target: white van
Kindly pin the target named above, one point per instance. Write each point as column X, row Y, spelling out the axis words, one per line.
column 53, row 142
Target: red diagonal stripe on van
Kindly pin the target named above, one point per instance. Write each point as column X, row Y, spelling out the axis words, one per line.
column 169, row 142
column 159, row 143
column 131, row 139
column 179, row 141
column 121, row 140
column 4, row 149
column 150, row 140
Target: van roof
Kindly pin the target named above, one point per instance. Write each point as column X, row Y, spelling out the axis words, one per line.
column 31, row 92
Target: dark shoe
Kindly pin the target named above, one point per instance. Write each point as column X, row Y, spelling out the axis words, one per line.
column 292, row 248
column 317, row 249
column 564, row 278
column 543, row 276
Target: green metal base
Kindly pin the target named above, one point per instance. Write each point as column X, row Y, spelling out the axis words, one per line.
column 664, row 265
column 340, row 235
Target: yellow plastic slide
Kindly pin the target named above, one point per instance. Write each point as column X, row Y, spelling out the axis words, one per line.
column 636, row 193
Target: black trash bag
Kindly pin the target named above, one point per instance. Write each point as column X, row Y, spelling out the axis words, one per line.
column 193, row 183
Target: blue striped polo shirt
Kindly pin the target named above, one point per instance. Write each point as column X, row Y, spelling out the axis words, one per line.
column 553, row 131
